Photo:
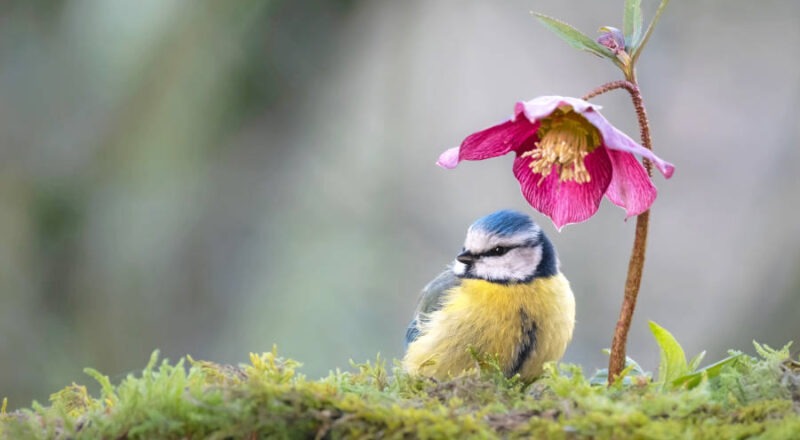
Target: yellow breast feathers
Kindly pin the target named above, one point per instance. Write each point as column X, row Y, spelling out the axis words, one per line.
column 524, row 325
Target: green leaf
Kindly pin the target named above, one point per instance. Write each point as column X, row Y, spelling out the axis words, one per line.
column 695, row 362
column 632, row 23
column 575, row 38
column 638, row 47
column 673, row 360
column 632, row 370
column 693, row 379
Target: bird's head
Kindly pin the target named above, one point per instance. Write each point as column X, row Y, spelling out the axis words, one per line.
column 506, row 247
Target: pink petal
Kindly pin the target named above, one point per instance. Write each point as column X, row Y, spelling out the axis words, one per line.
column 617, row 140
column 538, row 108
column 497, row 140
column 566, row 202
column 631, row 187
column 448, row 159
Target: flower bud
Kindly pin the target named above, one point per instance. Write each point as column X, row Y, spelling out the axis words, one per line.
column 613, row 39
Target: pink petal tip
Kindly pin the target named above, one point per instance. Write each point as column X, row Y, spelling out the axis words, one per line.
column 448, row 159
column 666, row 168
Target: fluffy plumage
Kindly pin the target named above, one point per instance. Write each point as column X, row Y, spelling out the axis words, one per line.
column 503, row 296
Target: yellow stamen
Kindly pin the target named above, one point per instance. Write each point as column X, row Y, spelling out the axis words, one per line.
column 566, row 138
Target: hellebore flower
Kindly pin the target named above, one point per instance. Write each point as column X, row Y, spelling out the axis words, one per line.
column 568, row 157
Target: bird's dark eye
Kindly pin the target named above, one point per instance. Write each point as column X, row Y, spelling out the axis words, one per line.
column 496, row 252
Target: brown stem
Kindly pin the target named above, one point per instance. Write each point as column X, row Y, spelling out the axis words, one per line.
column 616, row 362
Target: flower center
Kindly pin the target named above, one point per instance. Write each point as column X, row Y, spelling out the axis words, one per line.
column 566, row 138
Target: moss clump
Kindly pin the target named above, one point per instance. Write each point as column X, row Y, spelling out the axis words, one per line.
column 268, row 399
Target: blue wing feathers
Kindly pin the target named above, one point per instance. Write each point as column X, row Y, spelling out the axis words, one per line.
column 430, row 300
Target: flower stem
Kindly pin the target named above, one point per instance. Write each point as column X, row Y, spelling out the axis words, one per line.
column 616, row 361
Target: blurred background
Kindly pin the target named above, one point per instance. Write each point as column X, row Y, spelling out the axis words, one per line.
column 212, row 178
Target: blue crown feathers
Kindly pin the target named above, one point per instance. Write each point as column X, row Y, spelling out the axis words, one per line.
column 505, row 223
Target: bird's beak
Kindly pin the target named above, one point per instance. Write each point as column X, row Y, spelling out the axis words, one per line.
column 466, row 257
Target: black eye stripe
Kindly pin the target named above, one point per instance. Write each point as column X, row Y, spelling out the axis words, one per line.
column 497, row 251
column 504, row 249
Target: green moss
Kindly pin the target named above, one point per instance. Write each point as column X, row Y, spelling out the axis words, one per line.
column 267, row 398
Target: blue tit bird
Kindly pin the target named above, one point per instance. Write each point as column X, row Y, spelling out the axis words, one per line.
column 503, row 296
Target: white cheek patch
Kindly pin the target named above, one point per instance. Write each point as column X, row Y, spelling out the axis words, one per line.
column 518, row 264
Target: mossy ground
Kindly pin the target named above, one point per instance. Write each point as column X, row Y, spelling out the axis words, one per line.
column 753, row 397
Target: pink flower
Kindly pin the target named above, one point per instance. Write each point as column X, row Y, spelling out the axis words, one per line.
column 568, row 157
